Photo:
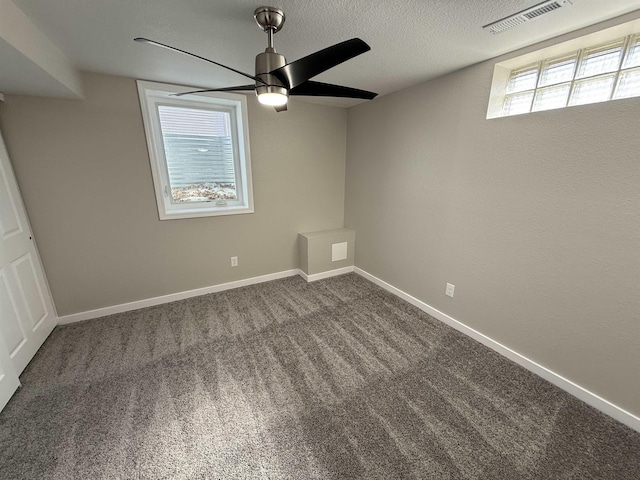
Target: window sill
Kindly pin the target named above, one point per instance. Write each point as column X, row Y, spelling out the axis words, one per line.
column 198, row 212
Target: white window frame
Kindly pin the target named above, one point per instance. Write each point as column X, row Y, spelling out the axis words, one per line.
column 152, row 95
column 536, row 59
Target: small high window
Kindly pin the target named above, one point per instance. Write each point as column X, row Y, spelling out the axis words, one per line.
column 199, row 151
column 597, row 72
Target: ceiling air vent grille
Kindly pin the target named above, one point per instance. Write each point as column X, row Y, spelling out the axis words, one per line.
column 542, row 10
column 526, row 15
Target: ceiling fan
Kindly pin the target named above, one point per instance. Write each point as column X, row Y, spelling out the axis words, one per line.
column 275, row 79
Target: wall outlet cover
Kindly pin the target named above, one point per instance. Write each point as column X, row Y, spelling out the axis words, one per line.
column 449, row 290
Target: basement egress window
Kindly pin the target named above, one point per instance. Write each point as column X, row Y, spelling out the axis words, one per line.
column 565, row 76
column 199, row 151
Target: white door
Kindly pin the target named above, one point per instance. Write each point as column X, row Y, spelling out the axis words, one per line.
column 9, row 382
column 27, row 315
column 8, row 377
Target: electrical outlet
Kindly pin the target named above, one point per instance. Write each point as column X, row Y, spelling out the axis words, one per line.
column 449, row 290
column 234, row 261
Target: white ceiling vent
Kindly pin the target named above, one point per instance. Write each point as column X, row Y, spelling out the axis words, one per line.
column 526, row 15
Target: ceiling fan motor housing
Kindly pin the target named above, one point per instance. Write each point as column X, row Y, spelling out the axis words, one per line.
column 266, row 62
column 269, row 18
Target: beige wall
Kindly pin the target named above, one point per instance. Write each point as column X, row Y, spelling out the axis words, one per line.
column 534, row 218
column 84, row 173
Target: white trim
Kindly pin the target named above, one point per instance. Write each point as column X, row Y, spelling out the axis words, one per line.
column 327, row 274
column 172, row 297
column 568, row 386
column 150, row 302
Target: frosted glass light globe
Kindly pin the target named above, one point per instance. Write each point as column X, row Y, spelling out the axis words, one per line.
column 272, row 99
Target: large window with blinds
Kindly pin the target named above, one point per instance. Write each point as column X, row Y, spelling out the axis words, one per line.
column 565, row 76
column 199, row 151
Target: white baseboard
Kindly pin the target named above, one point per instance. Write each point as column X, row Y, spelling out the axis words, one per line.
column 568, row 386
column 327, row 274
column 150, row 302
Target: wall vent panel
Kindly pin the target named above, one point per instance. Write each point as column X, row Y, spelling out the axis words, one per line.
column 526, row 15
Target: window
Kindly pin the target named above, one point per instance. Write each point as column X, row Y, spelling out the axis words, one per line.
column 199, row 151
column 590, row 69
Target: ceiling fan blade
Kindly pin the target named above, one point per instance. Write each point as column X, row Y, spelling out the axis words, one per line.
column 318, row 89
column 168, row 47
column 239, row 88
column 281, row 108
column 299, row 71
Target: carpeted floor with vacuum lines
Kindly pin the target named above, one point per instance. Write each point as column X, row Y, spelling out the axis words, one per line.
column 336, row 379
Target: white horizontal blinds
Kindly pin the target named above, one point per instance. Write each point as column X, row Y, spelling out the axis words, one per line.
column 199, row 153
column 194, row 121
column 520, row 90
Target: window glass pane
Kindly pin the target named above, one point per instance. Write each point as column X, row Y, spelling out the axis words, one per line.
column 522, row 80
column 592, row 90
column 628, row 84
column 200, row 156
column 633, row 54
column 518, row 103
column 557, row 71
column 600, row 60
column 551, row 97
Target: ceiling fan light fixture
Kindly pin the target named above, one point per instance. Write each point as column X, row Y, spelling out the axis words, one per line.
column 273, row 99
column 272, row 95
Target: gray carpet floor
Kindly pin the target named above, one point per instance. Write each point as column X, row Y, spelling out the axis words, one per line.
column 336, row 379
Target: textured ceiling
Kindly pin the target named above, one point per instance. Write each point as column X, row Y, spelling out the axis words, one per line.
column 411, row 40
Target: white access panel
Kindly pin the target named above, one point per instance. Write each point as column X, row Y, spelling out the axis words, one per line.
column 339, row 251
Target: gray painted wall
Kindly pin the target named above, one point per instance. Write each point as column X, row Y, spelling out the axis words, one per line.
column 84, row 173
column 534, row 218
